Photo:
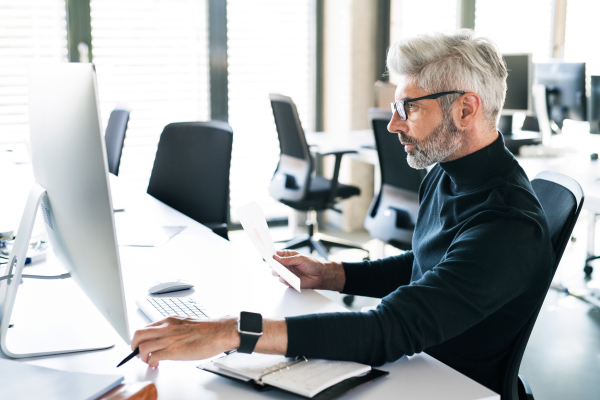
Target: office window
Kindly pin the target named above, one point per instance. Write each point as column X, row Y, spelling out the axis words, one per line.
column 271, row 49
column 409, row 18
column 517, row 26
column 581, row 33
column 30, row 31
column 151, row 56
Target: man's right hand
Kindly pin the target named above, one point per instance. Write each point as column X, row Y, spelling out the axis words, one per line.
column 313, row 274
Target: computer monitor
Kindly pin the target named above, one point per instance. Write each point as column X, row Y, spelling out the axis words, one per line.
column 519, row 82
column 72, row 186
column 594, row 104
column 565, row 90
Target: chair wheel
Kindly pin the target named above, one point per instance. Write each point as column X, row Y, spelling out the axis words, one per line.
column 348, row 300
column 588, row 269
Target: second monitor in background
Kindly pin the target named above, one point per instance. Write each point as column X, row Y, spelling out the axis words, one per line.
column 565, row 90
column 519, row 99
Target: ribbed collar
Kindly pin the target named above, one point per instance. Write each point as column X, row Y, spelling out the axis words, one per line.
column 483, row 164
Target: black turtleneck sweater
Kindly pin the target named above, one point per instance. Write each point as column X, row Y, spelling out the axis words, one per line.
column 481, row 263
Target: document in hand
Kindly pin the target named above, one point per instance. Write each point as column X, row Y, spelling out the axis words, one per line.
column 254, row 223
column 321, row 379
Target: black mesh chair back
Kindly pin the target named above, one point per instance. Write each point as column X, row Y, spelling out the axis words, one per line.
column 293, row 185
column 393, row 212
column 561, row 198
column 191, row 171
column 115, row 137
column 292, row 177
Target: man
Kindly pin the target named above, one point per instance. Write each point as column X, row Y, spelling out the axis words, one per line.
column 481, row 259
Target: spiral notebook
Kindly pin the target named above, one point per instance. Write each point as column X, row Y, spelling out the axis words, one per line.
column 315, row 379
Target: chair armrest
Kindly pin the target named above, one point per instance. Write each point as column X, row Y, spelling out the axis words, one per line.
column 337, row 152
column 524, row 389
column 220, row 229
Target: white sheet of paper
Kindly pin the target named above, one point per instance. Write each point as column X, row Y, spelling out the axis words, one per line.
column 254, row 223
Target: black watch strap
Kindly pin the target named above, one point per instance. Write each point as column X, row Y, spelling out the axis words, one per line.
column 247, row 343
column 250, row 330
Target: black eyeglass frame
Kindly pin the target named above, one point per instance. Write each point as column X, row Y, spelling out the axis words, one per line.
column 401, row 105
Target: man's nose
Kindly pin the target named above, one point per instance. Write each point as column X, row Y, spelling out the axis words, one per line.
column 396, row 125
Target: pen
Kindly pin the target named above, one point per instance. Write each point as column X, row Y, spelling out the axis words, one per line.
column 137, row 351
column 129, row 357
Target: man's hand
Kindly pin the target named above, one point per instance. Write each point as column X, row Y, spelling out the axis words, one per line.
column 313, row 274
column 178, row 338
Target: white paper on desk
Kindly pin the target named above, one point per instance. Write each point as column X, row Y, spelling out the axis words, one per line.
column 254, row 223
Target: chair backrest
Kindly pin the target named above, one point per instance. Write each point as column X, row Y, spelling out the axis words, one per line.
column 292, row 177
column 191, row 170
column 394, row 209
column 395, row 170
column 115, row 137
column 561, row 198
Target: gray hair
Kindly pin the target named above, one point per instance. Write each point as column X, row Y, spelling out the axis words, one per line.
column 456, row 60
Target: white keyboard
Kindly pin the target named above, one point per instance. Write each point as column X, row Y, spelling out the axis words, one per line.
column 159, row 308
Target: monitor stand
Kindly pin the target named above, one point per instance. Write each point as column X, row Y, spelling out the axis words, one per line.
column 42, row 334
column 515, row 139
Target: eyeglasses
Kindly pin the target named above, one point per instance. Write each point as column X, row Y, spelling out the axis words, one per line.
column 400, row 106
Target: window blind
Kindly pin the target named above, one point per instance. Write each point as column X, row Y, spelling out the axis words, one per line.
column 150, row 56
column 517, row 26
column 30, row 31
column 271, row 49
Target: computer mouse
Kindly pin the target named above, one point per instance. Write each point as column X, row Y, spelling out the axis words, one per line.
column 172, row 286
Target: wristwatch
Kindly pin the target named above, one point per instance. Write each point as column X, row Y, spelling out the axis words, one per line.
column 250, row 330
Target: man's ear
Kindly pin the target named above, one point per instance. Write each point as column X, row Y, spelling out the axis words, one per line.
column 469, row 108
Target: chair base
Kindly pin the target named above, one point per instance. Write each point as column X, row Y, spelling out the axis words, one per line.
column 321, row 244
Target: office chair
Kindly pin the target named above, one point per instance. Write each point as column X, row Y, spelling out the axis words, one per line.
column 561, row 198
column 393, row 212
column 191, row 171
column 115, row 137
column 293, row 185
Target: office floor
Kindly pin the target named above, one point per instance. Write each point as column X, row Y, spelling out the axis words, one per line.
column 562, row 360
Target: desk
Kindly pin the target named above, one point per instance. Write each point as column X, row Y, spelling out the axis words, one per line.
column 227, row 281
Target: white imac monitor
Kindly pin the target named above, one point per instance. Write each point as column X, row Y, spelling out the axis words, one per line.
column 72, row 187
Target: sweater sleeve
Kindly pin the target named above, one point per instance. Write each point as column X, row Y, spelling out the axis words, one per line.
column 485, row 267
column 378, row 278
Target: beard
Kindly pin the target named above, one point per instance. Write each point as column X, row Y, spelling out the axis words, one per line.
column 440, row 144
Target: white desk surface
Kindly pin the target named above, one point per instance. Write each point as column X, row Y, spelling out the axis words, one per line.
column 227, row 281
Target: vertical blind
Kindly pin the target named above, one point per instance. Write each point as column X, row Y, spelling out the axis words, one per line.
column 271, row 49
column 517, row 26
column 30, row 31
column 151, row 57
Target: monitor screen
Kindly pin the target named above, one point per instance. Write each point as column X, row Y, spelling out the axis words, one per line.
column 565, row 88
column 594, row 105
column 519, row 83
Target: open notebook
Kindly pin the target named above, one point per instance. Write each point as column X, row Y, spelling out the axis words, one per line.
column 318, row 379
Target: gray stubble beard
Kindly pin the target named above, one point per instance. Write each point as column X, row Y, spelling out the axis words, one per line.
column 444, row 140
